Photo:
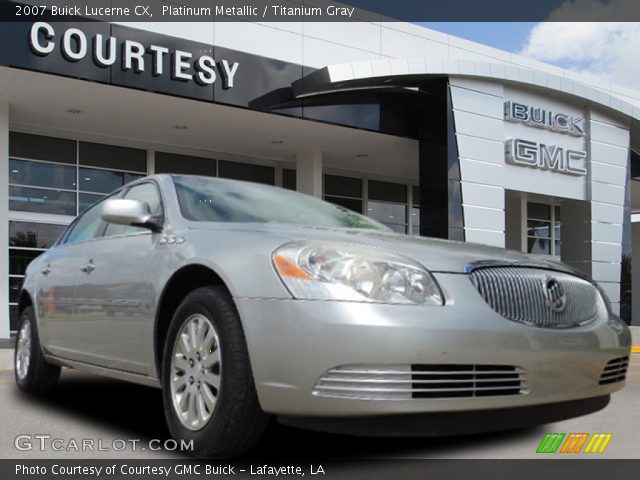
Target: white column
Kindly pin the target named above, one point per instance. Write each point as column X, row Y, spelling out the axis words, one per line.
column 309, row 172
column 635, row 276
column 4, row 223
column 523, row 224
column 151, row 162
column 609, row 150
column 278, row 175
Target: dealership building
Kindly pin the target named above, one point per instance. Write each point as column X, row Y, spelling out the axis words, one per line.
column 430, row 134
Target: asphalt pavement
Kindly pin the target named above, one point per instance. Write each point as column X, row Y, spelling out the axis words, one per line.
column 121, row 420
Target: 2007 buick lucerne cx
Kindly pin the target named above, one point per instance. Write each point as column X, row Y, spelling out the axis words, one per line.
column 245, row 301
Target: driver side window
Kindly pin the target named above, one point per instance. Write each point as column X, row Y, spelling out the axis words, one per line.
column 146, row 192
column 87, row 226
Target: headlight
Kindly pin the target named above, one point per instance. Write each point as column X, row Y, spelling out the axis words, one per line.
column 339, row 271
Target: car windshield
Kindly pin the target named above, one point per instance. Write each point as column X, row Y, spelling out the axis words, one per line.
column 214, row 200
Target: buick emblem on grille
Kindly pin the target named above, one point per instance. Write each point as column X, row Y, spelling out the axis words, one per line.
column 554, row 294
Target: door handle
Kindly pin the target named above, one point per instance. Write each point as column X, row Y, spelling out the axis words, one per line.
column 88, row 268
column 46, row 271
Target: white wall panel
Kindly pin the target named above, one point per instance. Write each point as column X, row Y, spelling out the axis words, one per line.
column 394, row 43
column 485, row 237
column 195, row 31
column 476, row 102
column 417, row 30
column 456, row 53
column 607, row 173
column 480, row 172
column 483, row 218
column 606, row 272
column 605, row 117
column 543, row 182
column 362, row 69
column 606, row 232
column 605, row 153
column 478, row 85
column 607, row 193
column 475, row 148
column 319, row 53
column 605, row 252
column 274, row 43
column 478, row 126
column 482, row 52
column 482, row 195
column 606, row 212
column 612, row 290
column 360, row 35
column 293, row 27
column 605, row 133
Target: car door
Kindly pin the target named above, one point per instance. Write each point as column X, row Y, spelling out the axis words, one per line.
column 59, row 274
column 114, row 299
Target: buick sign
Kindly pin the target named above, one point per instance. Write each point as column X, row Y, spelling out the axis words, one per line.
column 131, row 56
column 543, row 118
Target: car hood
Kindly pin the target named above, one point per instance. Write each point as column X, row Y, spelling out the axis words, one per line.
column 436, row 254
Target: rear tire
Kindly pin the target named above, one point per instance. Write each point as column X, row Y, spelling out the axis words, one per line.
column 32, row 372
column 208, row 388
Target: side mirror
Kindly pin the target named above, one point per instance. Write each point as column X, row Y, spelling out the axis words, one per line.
column 129, row 212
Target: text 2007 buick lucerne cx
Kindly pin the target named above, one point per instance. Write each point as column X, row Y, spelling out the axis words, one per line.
column 244, row 301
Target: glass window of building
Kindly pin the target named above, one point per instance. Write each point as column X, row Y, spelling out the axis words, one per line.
column 247, row 172
column 543, row 229
column 38, row 147
column 387, row 203
column 63, row 177
column 415, row 210
column 289, row 179
column 343, row 191
column 36, row 184
column 112, row 157
column 184, row 164
column 27, row 240
column 104, row 168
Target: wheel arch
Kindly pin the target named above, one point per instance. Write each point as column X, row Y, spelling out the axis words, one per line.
column 24, row 301
column 182, row 282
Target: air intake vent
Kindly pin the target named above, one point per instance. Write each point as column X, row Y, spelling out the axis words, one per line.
column 405, row 382
column 539, row 297
column 442, row 381
column 615, row 371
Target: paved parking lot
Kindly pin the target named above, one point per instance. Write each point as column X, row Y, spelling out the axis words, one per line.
column 99, row 409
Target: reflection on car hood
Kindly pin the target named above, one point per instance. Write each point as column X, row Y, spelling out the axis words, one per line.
column 436, row 254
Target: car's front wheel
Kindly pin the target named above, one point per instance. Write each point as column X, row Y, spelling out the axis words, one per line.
column 209, row 393
column 32, row 372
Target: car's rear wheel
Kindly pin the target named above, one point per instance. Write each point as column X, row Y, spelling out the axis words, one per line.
column 32, row 372
column 209, row 393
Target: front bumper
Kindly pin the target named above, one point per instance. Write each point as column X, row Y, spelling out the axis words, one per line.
column 293, row 343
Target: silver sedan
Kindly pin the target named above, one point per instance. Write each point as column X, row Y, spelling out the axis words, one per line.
column 244, row 302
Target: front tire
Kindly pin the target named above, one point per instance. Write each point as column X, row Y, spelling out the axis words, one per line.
column 208, row 389
column 32, row 372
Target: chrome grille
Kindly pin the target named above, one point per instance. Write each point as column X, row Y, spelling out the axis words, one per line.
column 518, row 293
column 615, row 371
column 405, row 382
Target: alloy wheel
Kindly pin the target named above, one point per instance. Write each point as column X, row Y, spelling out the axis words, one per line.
column 196, row 372
column 23, row 350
